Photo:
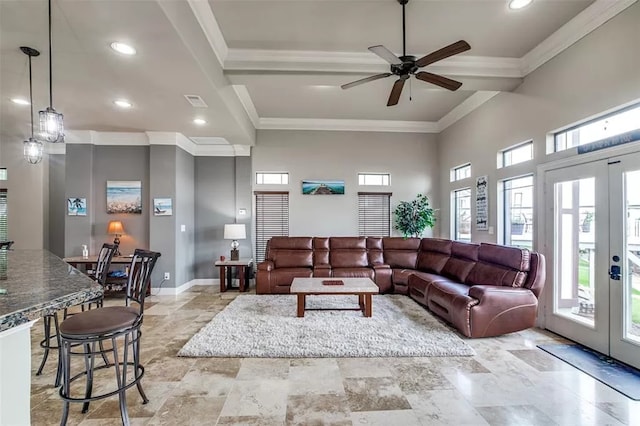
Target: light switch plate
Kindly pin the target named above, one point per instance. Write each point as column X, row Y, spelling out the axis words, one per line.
column 183, row 228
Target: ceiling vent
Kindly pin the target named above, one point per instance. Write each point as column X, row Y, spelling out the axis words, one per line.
column 196, row 101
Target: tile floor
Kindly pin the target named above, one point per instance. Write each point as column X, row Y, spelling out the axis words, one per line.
column 508, row 382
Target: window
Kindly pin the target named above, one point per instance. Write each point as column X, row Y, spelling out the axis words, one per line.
column 272, row 219
column 374, row 214
column 517, row 219
column 461, row 172
column 3, row 215
column 461, row 215
column 3, row 174
column 610, row 125
column 514, row 155
column 272, row 178
column 380, row 179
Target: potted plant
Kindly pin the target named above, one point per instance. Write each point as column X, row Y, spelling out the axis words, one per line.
column 517, row 224
column 586, row 223
column 413, row 217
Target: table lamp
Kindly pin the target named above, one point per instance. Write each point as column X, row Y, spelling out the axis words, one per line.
column 115, row 228
column 235, row 232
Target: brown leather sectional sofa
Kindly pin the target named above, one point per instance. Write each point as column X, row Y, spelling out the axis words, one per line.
column 482, row 289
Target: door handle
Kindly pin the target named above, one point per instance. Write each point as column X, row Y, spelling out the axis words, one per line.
column 614, row 272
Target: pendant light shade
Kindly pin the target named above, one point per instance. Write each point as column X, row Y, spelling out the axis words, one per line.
column 33, row 148
column 51, row 124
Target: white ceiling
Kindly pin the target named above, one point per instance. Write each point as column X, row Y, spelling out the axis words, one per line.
column 271, row 64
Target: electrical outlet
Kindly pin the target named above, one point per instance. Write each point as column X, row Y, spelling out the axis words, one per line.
column 167, row 276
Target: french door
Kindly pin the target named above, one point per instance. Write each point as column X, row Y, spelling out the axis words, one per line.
column 592, row 226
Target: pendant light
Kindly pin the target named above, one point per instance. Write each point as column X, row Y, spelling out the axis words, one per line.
column 51, row 125
column 32, row 148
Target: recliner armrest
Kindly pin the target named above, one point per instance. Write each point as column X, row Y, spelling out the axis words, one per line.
column 376, row 267
column 266, row 265
column 482, row 293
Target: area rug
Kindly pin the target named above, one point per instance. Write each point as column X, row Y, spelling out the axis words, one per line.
column 266, row 326
column 612, row 373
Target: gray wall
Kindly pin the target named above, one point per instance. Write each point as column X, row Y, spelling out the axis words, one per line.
column 599, row 72
column 57, row 205
column 79, row 183
column 410, row 158
column 185, row 215
column 221, row 188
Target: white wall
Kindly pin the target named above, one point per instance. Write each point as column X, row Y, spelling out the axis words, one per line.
column 410, row 158
column 596, row 74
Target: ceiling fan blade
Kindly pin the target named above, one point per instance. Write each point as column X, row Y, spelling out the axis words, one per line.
column 365, row 80
column 445, row 52
column 386, row 54
column 438, row 80
column 394, row 97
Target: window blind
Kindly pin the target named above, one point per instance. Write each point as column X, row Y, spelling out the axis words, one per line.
column 374, row 214
column 3, row 215
column 272, row 219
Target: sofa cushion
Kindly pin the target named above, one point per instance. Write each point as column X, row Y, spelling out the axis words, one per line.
column 433, row 254
column 284, row 276
column 337, row 243
column 374, row 250
column 400, row 258
column 292, row 258
column 320, row 250
column 487, row 274
column 294, row 243
column 348, row 259
column 353, row 273
column 511, row 257
column 401, row 276
column 400, row 243
column 463, row 258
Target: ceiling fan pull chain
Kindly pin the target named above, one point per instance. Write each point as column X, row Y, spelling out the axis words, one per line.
column 410, row 90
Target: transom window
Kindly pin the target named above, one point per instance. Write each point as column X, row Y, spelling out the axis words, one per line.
column 379, row 179
column 3, row 174
column 272, row 178
column 516, row 154
column 461, row 172
column 612, row 124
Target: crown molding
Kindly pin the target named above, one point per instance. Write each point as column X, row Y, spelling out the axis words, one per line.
column 205, row 17
column 582, row 24
column 348, row 125
column 465, row 107
column 247, row 103
column 361, row 62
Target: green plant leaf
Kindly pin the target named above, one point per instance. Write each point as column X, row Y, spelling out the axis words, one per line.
column 413, row 217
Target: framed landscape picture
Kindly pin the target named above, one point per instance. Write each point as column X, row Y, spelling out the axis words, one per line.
column 124, row 196
column 323, row 187
column 162, row 207
column 76, row 206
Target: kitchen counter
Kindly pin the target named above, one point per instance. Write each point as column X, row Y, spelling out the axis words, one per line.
column 37, row 283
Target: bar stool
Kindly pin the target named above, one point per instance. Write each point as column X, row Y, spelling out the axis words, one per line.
column 99, row 275
column 119, row 325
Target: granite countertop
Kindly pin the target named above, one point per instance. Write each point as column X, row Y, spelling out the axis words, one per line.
column 39, row 283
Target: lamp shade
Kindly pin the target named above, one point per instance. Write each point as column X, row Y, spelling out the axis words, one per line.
column 235, row 231
column 115, row 228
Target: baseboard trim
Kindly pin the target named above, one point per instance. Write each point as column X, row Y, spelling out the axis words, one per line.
column 173, row 291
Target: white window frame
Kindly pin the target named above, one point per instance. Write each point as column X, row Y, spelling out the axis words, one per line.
column 454, row 214
column 504, row 216
column 456, row 171
column 504, row 153
column 364, row 179
column 283, row 178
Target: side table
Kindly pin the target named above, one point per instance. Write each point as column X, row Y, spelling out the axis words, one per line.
column 243, row 265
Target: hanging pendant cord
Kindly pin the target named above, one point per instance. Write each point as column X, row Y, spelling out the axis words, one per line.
column 31, row 95
column 50, row 61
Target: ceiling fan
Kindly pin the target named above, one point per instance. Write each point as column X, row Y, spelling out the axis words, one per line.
column 407, row 65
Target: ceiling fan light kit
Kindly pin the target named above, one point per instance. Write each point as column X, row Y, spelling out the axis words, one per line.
column 407, row 65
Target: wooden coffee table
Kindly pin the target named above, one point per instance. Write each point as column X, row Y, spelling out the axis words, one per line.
column 364, row 288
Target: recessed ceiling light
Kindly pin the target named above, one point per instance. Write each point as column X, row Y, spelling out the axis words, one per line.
column 20, row 101
column 519, row 4
column 123, row 48
column 199, row 121
column 122, row 103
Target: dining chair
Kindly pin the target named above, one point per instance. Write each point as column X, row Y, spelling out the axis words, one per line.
column 99, row 274
column 117, row 325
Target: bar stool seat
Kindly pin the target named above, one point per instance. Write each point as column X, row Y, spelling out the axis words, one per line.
column 110, row 319
column 83, row 335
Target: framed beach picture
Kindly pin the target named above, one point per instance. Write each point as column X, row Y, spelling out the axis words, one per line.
column 322, row 187
column 162, row 207
column 76, row 206
column 124, row 196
